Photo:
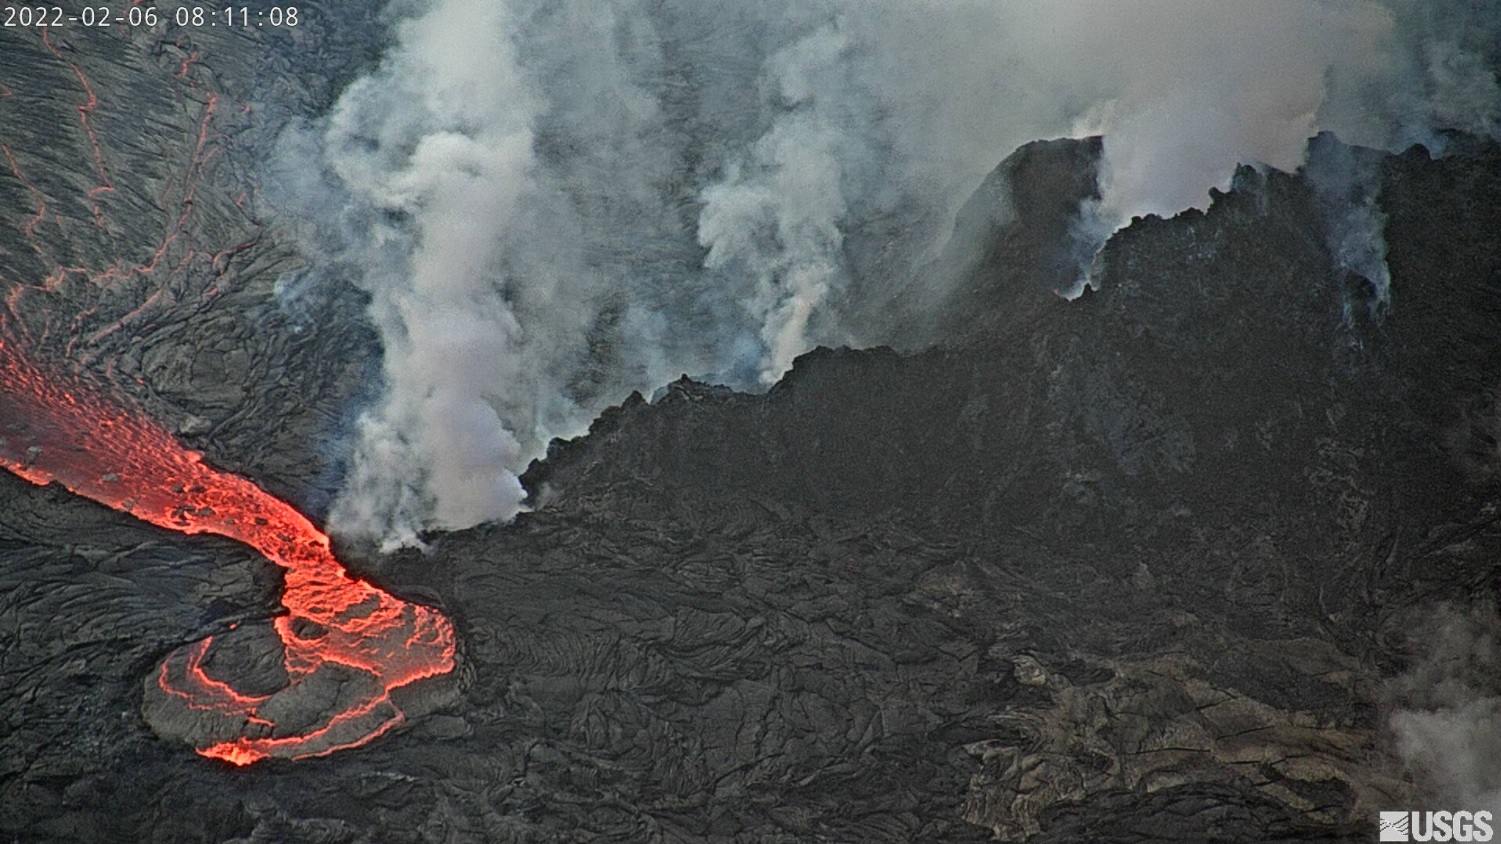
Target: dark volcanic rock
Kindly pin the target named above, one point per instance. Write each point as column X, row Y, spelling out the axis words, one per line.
column 151, row 258
column 1019, row 226
column 1203, row 473
column 1129, row 568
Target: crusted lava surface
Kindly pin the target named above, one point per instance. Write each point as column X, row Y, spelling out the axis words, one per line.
column 1135, row 567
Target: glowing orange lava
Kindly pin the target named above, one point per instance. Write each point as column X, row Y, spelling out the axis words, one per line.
column 55, row 429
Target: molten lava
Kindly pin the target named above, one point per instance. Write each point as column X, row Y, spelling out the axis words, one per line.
column 336, row 626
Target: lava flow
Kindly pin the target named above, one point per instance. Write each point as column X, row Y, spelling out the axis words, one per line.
column 346, row 643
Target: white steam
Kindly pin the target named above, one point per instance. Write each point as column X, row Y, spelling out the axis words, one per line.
column 1184, row 92
column 553, row 203
column 1201, row 87
column 1448, row 728
column 454, row 159
column 1347, row 182
column 778, row 216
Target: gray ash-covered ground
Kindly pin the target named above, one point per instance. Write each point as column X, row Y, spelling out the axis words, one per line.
column 1136, row 567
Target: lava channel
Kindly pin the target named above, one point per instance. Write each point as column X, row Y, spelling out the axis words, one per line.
column 346, row 645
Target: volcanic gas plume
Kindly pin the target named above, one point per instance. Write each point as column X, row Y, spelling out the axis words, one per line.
column 552, row 204
column 347, row 644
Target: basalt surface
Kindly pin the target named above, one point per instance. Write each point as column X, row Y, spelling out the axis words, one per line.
column 1135, row 567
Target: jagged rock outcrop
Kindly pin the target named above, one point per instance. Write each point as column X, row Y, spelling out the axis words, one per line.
column 1130, row 568
column 1207, row 440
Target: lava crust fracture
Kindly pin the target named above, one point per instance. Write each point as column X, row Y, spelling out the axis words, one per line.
column 346, row 643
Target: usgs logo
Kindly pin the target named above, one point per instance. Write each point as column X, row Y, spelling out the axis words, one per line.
column 1436, row 826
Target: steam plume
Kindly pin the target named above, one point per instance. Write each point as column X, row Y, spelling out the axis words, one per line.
column 553, row 203
column 456, row 161
column 1449, row 727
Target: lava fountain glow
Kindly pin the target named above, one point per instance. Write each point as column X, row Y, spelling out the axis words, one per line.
column 347, row 644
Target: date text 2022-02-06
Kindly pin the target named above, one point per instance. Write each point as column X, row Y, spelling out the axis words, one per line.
column 53, row 17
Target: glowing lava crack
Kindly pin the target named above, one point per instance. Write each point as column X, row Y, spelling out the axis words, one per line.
column 345, row 644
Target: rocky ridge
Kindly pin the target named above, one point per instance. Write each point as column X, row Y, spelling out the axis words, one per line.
column 1134, row 567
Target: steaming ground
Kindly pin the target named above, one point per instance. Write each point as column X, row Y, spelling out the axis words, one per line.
column 1447, row 718
column 553, row 204
column 1138, row 567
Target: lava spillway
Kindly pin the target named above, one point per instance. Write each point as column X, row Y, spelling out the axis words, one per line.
column 338, row 631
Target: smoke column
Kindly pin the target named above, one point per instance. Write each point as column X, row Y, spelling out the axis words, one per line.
column 1347, row 182
column 551, row 204
column 455, row 161
column 777, row 216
